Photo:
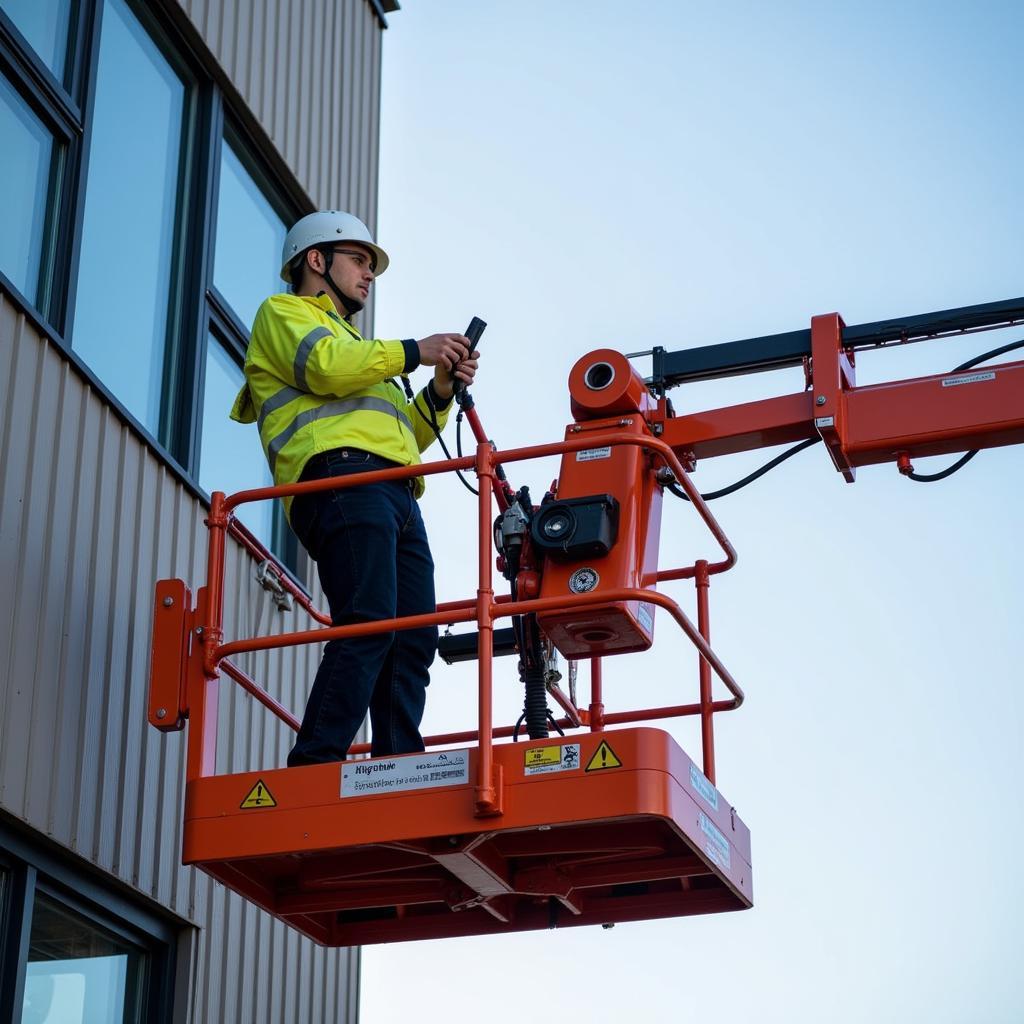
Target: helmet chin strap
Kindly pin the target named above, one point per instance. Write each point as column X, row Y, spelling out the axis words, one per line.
column 351, row 306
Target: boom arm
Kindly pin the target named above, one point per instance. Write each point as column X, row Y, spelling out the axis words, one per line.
column 891, row 422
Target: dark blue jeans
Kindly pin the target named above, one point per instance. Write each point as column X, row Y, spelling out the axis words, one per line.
column 374, row 562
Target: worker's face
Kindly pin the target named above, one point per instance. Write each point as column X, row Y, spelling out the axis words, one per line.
column 351, row 270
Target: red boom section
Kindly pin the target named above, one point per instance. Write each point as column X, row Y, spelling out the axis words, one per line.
column 935, row 415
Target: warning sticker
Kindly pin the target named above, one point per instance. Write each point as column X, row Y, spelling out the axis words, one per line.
column 590, row 454
column 702, row 786
column 717, row 846
column 258, row 796
column 604, row 757
column 539, row 760
column 396, row 774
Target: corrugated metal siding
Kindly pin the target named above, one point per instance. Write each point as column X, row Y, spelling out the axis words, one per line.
column 89, row 520
column 310, row 72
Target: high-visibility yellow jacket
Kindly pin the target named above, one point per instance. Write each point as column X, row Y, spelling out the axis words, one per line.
column 313, row 383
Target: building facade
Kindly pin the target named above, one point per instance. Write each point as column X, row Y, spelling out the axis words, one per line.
column 153, row 154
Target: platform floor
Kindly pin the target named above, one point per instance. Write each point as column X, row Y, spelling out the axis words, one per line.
column 597, row 828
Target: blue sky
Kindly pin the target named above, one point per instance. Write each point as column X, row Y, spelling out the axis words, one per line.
column 584, row 175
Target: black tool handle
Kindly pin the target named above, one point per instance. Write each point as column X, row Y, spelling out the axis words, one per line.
column 473, row 332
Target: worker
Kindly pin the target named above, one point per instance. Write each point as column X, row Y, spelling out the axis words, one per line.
column 329, row 403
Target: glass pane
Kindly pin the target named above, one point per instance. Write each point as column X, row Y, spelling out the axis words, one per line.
column 131, row 205
column 77, row 972
column 44, row 23
column 250, row 236
column 231, row 457
column 25, row 155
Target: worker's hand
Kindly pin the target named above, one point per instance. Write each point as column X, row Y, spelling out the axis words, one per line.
column 465, row 371
column 444, row 351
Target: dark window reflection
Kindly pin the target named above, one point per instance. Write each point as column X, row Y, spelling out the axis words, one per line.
column 45, row 24
column 231, row 457
column 250, row 235
column 131, row 208
column 79, row 973
column 26, row 153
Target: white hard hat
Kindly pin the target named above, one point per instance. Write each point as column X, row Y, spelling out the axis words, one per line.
column 328, row 226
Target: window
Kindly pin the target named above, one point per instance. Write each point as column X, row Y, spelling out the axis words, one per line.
column 46, row 26
column 232, row 456
column 131, row 214
column 26, row 183
column 142, row 228
column 78, row 971
column 75, row 951
column 250, row 235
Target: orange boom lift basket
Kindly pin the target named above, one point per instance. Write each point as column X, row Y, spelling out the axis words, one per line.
column 479, row 836
column 610, row 822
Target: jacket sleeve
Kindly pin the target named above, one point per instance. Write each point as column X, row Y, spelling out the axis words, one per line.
column 296, row 348
column 426, row 408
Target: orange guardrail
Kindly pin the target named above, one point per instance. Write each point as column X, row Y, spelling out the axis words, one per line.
column 213, row 653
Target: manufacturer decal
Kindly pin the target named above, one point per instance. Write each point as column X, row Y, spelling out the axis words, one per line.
column 970, row 378
column 398, row 774
column 703, row 787
column 717, row 846
column 541, row 760
column 582, row 581
column 646, row 619
column 590, row 454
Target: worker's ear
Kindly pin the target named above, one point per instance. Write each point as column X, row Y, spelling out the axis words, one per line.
column 315, row 261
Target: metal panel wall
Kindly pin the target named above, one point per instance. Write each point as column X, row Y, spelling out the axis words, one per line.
column 89, row 520
column 310, row 72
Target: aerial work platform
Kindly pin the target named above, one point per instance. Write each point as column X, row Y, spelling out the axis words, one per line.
column 611, row 821
column 596, row 829
column 605, row 823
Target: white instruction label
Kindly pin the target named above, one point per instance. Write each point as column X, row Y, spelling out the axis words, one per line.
column 589, row 454
column 540, row 760
column 395, row 774
column 703, row 787
column 646, row 619
column 970, row 378
column 717, row 846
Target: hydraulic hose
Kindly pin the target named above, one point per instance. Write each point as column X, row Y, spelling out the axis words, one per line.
column 535, row 707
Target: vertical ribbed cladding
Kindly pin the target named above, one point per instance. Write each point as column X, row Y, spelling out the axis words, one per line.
column 310, row 72
column 89, row 519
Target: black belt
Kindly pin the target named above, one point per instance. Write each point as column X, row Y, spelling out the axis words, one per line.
column 317, row 467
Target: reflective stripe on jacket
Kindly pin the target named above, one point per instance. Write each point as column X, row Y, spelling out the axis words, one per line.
column 313, row 383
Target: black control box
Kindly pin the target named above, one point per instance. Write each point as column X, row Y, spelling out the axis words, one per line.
column 576, row 527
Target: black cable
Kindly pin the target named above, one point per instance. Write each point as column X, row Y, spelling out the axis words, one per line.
column 517, row 727
column 437, row 433
column 989, row 355
column 554, row 725
column 711, row 495
column 930, row 478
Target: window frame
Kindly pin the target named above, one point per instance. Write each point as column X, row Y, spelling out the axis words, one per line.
column 222, row 321
column 214, row 115
column 63, row 116
column 32, row 868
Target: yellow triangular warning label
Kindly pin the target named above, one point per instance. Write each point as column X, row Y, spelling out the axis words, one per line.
column 604, row 757
column 259, row 796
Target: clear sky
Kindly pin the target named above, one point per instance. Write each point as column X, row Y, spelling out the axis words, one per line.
column 591, row 174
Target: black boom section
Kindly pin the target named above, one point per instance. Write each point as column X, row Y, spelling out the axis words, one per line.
column 774, row 351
